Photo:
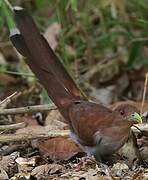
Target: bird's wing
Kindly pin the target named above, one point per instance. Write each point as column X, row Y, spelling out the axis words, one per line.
column 87, row 118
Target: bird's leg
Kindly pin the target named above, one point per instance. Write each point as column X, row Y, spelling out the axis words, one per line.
column 80, row 164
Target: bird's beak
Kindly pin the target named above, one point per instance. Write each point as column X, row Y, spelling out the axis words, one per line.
column 136, row 118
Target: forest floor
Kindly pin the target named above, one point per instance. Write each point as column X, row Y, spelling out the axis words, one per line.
column 107, row 54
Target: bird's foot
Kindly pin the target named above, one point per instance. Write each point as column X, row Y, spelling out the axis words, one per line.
column 85, row 161
column 80, row 164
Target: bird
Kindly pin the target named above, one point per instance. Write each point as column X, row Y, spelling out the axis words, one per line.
column 98, row 130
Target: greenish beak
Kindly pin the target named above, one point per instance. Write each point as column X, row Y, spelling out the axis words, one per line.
column 136, row 118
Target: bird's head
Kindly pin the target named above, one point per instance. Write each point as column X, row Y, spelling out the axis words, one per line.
column 128, row 113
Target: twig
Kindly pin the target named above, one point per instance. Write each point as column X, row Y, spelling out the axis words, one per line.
column 19, row 74
column 141, row 39
column 144, row 93
column 25, row 137
column 138, row 128
column 7, row 100
column 9, row 5
column 28, row 109
column 12, row 126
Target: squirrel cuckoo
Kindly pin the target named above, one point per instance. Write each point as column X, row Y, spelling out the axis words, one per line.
column 97, row 129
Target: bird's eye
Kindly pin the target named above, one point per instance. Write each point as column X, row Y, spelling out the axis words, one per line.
column 122, row 112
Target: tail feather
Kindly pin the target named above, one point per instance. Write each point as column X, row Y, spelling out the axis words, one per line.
column 41, row 52
column 58, row 93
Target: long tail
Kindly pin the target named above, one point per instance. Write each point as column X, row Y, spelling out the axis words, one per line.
column 43, row 61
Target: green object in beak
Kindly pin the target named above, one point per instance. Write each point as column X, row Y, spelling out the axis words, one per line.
column 136, row 118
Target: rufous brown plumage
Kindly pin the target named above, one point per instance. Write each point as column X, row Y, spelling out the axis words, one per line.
column 97, row 129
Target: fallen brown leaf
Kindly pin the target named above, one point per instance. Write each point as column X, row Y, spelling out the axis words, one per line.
column 46, row 169
column 29, row 119
column 55, row 121
column 8, row 163
column 59, row 148
column 26, row 161
column 119, row 169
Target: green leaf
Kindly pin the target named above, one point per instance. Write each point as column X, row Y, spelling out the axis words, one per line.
column 41, row 3
column 6, row 13
column 134, row 53
column 73, row 4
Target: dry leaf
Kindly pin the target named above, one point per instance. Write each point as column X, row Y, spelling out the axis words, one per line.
column 91, row 174
column 26, row 161
column 129, row 151
column 55, row 121
column 47, row 169
column 34, row 129
column 8, row 163
column 59, row 148
column 51, row 33
column 26, row 164
column 28, row 119
column 22, row 176
column 3, row 174
column 144, row 148
column 119, row 169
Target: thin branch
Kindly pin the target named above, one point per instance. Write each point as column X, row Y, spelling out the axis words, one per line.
column 28, row 109
column 9, row 5
column 138, row 128
column 26, row 137
column 49, row 134
column 19, row 74
column 144, row 93
column 12, row 126
column 140, row 39
column 7, row 100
